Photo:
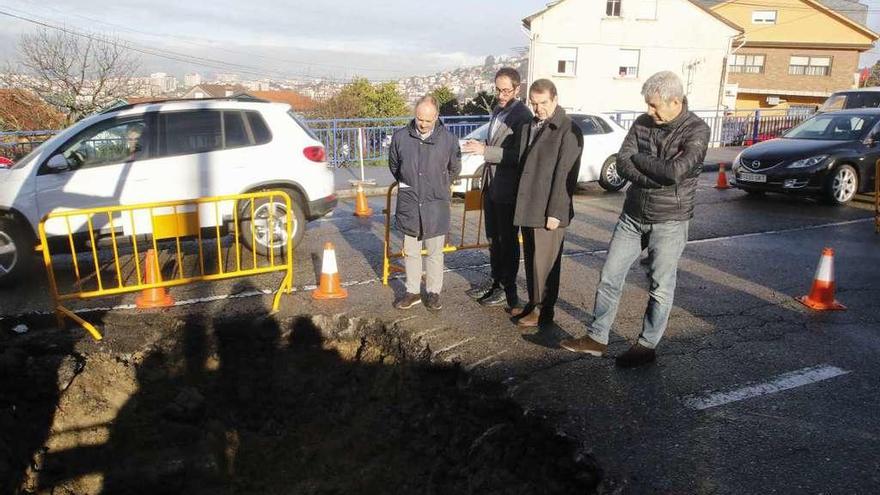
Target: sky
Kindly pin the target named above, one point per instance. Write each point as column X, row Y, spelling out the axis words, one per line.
column 380, row 39
column 338, row 39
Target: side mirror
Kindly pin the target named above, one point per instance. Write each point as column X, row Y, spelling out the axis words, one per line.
column 871, row 140
column 58, row 163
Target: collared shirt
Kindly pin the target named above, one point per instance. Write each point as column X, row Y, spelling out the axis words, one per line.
column 499, row 115
column 425, row 136
column 537, row 125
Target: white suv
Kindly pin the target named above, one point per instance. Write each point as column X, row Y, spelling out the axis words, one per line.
column 165, row 151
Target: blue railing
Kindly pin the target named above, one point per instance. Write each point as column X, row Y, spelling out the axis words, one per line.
column 340, row 135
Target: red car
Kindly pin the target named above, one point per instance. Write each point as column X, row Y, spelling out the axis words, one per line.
column 5, row 162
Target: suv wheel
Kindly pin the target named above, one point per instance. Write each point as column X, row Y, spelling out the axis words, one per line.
column 842, row 185
column 609, row 179
column 16, row 251
column 268, row 229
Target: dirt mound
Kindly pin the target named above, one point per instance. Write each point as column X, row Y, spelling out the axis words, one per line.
column 308, row 405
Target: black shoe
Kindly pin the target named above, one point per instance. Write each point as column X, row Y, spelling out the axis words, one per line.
column 432, row 302
column 479, row 292
column 407, row 301
column 495, row 297
column 637, row 355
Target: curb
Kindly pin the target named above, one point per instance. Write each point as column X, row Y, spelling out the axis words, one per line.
column 369, row 191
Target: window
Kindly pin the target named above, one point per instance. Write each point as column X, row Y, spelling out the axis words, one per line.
column 590, row 124
column 809, row 66
column 833, row 127
column 234, row 130
column 629, row 63
column 259, row 128
column 764, row 17
column 746, row 64
column 111, row 141
column 196, row 131
column 612, row 8
column 567, row 61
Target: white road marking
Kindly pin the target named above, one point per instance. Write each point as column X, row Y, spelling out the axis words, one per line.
column 453, row 346
column 473, row 365
column 785, row 381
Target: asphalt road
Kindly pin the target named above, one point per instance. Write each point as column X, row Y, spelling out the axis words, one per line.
column 752, row 392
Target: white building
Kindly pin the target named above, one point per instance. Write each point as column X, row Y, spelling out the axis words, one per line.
column 600, row 52
column 163, row 83
column 191, row 80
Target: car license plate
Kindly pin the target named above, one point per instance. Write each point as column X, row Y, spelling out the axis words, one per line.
column 747, row 177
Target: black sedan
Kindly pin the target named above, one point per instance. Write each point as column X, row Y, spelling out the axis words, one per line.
column 831, row 155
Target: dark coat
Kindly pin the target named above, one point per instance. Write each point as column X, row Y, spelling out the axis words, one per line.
column 502, row 155
column 549, row 172
column 663, row 162
column 427, row 168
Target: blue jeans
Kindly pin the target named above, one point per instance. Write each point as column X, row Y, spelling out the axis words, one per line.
column 665, row 243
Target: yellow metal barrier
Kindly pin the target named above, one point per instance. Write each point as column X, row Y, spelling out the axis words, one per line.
column 473, row 201
column 136, row 229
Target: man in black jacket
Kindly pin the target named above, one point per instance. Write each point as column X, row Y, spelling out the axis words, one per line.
column 662, row 155
column 423, row 157
column 500, row 182
column 550, row 156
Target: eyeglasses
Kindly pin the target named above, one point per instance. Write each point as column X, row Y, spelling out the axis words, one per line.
column 505, row 91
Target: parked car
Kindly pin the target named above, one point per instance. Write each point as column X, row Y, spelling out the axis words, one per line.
column 602, row 140
column 168, row 151
column 830, row 155
column 852, row 98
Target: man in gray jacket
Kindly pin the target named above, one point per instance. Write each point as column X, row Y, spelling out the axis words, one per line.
column 423, row 157
column 662, row 155
column 500, row 183
column 550, row 156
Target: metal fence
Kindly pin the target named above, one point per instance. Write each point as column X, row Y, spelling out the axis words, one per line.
column 339, row 136
column 737, row 128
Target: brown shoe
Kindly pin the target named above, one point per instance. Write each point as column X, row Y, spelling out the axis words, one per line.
column 516, row 311
column 407, row 301
column 585, row 345
column 530, row 320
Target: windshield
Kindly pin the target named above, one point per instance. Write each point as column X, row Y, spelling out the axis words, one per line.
column 833, row 127
column 480, row 133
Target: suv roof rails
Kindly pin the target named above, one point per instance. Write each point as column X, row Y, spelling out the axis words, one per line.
column 239, row 97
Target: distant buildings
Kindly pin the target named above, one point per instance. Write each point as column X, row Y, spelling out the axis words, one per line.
column 191, row 80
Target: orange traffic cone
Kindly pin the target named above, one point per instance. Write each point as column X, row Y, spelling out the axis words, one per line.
column 156, row 297
column 361, row 208
column 821, row 297
column 329, row 288
column 722, row 178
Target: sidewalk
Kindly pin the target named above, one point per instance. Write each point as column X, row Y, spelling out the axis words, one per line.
column 383, row 178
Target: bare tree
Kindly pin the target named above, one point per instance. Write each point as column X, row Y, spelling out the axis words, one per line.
column 75, row 73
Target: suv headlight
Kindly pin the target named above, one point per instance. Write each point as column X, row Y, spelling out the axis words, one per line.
column 808, row 162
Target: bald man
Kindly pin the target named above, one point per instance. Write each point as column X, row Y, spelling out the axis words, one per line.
column 424, row 158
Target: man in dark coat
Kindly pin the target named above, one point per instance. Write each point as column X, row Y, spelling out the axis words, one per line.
column 500, row 182
column 662, row 155
column 551, row 147
column 424, row 158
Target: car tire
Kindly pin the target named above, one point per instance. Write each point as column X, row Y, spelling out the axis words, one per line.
column 258, row 239
column 16, row 251
column 608, row 177
column 841, row 185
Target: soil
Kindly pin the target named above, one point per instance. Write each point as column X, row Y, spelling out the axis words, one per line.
column 308, row 405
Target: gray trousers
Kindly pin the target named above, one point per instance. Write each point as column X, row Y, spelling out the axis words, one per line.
column 543, row 261
column 412, row 250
